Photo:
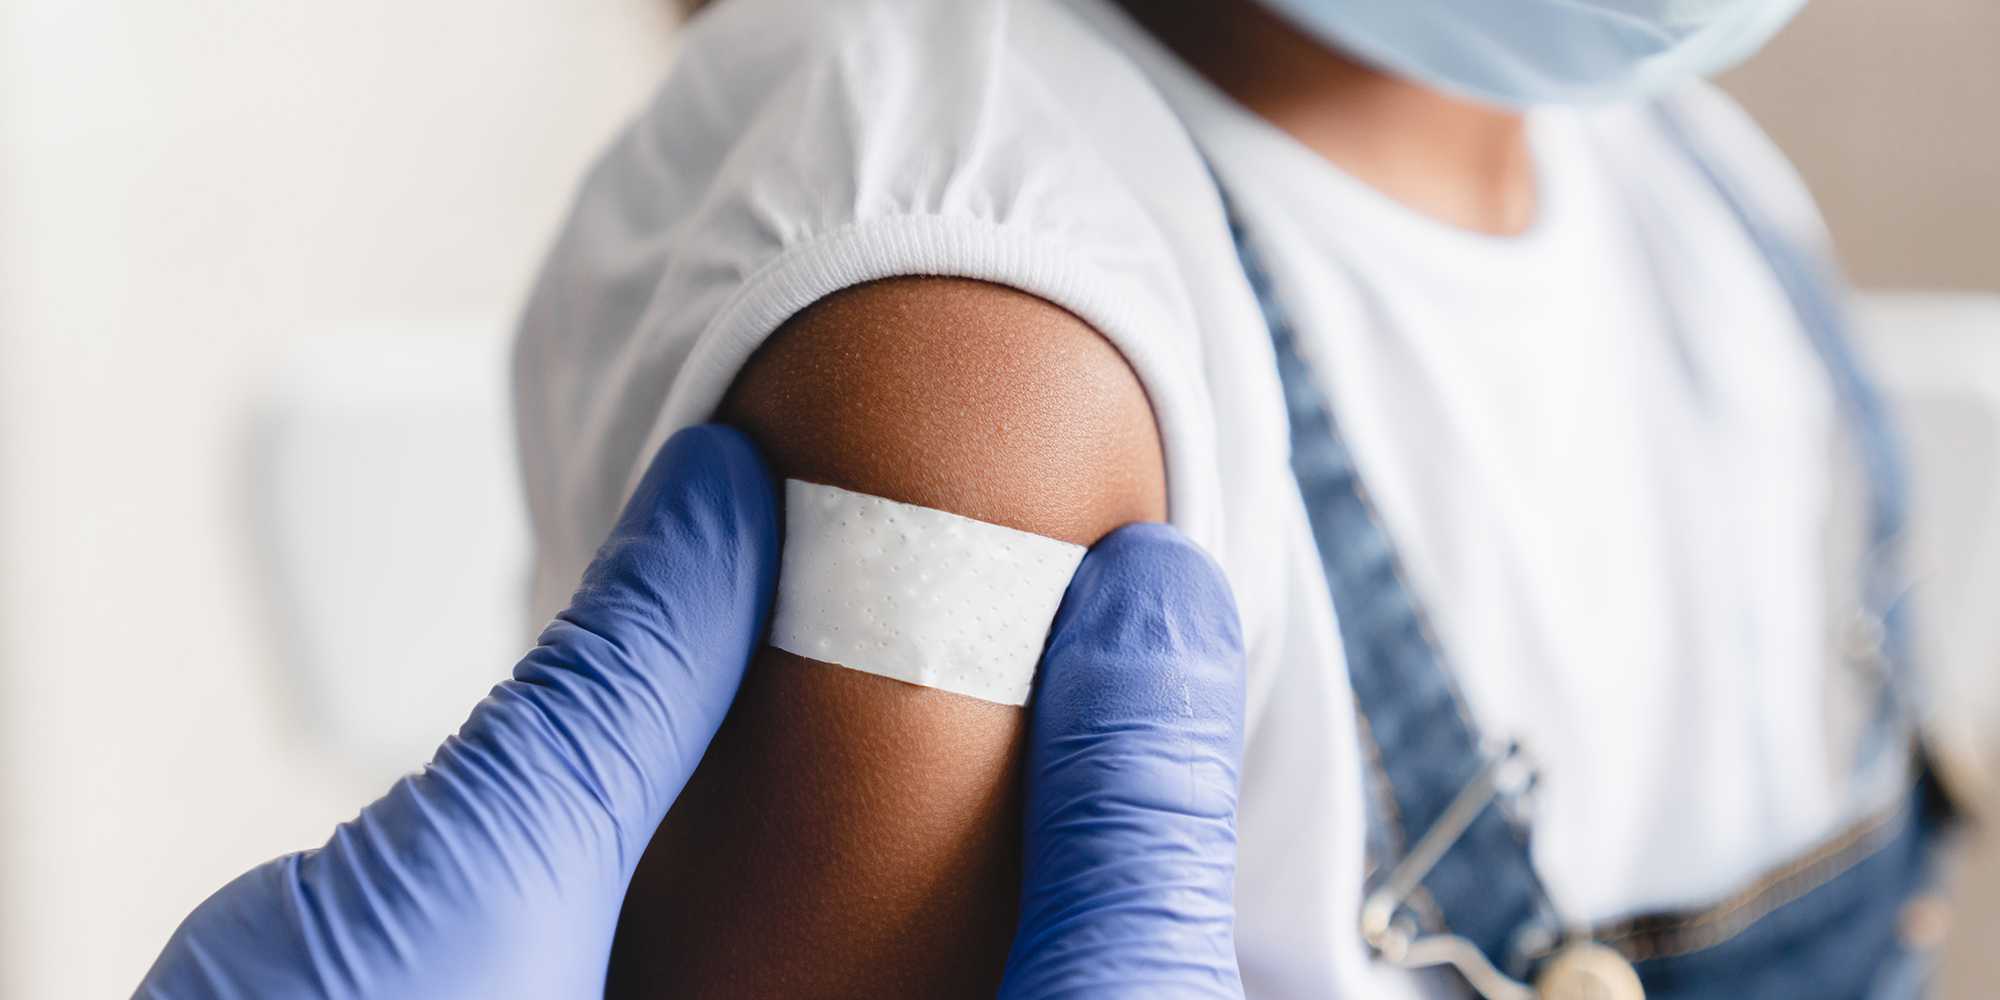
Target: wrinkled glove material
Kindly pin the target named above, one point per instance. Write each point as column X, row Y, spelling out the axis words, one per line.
column 499, row 870
column 1134, row 749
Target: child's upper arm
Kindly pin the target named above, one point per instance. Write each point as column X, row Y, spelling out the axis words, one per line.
column 849, row 834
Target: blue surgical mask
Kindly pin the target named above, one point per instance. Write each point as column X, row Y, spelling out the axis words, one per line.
column 1519, row 52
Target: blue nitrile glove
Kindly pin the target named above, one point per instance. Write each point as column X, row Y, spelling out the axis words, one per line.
column 500, row 869
column 1129, row 862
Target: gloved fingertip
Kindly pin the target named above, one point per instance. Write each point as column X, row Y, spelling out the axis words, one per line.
column 1152, row 565
column 1151, row 547
column 717, row 451
column 1148, row 626
column 725, row 443
column 720, row 469
column 699, row 538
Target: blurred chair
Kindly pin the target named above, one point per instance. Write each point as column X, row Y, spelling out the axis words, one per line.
column 1938, row 356
column 388, row 522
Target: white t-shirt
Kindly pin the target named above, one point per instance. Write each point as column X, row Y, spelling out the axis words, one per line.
column 1603, row 448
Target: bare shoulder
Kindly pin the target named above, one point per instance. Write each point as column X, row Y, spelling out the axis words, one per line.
column 847, row 834
column 960, row 395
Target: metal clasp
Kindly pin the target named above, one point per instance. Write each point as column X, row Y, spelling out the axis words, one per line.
column 1508, row 774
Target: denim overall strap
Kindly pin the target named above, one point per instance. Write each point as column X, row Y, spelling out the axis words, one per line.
column 1481, row 886
column 1452, row 858
column 1881, row 635
column 1828, row 926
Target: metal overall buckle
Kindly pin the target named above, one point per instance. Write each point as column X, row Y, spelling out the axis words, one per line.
column 1580, row 969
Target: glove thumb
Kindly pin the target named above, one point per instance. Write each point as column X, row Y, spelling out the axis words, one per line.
column 1130, row 846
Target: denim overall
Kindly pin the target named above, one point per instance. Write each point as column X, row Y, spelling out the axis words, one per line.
column 1452, row 882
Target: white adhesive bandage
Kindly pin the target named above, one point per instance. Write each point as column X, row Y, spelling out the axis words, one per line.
column 916, row 594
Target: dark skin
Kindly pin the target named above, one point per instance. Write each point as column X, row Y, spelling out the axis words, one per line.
column 848, row 835
column 851, row 836
column 1460, row 162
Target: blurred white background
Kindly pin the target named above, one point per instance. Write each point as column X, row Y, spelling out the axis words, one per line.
column 216, row 213
column 257, row 266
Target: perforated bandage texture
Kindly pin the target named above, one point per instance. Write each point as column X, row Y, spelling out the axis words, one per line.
column 915, row 594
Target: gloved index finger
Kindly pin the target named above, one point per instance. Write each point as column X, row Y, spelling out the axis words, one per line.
column 634, row 677
column 499, row 870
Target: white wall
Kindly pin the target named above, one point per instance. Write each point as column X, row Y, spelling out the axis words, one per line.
column 187, row 190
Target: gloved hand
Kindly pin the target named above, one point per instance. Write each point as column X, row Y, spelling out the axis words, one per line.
column 500, row 870
column 1129, row 862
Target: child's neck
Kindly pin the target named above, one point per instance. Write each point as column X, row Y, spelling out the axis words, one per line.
column 1464, row 163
